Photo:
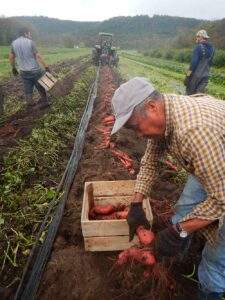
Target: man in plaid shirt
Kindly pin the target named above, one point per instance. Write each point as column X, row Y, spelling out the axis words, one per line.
column 191, row 129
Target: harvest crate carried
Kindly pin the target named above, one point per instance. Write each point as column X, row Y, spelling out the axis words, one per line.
column 47, row 81
column 108, row 235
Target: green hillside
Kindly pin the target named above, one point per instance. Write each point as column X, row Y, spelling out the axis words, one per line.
column 130, row 32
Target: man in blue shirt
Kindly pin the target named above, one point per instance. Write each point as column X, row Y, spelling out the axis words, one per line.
column 24, row 53
column 198, row 74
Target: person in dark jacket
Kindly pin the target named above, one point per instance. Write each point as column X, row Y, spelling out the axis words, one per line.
column 198, row 74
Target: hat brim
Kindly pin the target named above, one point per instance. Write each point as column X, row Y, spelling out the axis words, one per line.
column 120, row 122
column 204, row 37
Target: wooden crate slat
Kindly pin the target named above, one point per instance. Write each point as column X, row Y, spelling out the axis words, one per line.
column 42, row 83
column 47, row 81
column 104, row 228
column 51, row 77
column 105, row 243
column 110, row 188
column 114, row 200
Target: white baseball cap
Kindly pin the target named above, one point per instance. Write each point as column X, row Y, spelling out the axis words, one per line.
column 202, row 33
column 127, row 97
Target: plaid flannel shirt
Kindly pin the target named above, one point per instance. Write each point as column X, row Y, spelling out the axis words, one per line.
column 195, row 136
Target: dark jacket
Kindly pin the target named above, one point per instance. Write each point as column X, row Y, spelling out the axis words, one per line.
column 203, row 49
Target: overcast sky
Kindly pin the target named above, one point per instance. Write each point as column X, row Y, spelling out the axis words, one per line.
column 97, row 10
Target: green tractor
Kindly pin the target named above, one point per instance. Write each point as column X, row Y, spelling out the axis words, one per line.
column 104, row 53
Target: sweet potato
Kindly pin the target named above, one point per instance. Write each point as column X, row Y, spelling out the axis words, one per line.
column 146, row 258
column 110, row 118
column 145, row 236
column 104, row 209
column 112, row 216
column 122, row 258
column 121, row 214
column 142, row 256
column 122, row 211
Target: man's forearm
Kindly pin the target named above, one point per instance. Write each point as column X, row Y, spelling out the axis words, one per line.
column 41, row 61
column 195, row 224
column 12, row 60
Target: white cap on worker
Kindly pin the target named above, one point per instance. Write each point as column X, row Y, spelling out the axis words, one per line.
column 202, row 33
column 127, row 97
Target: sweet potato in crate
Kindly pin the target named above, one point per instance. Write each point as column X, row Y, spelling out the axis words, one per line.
column 108, row 235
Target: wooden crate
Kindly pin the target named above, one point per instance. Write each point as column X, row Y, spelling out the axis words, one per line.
column 47, row 81
column 108, row 235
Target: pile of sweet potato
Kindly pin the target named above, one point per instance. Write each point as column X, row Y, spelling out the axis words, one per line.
column 146, row 237
column 111, row 212
column 108, row 212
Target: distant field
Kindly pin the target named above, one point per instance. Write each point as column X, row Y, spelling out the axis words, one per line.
column 167, row 75
column 51, row 56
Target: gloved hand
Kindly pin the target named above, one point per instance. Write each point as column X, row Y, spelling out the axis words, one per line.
column 135, row 218
column 47, row 69
column 14, row 71
column 169, row 243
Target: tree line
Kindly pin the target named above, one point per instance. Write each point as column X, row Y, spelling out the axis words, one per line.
column 138, row 32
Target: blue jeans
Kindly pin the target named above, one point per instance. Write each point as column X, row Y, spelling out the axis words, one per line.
column 30, row 80
column 211, row 270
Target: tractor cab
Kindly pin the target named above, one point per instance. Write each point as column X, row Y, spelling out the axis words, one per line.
column 103, row 51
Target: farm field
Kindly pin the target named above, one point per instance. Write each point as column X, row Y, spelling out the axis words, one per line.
column 34, row 152
column 167, row 75
column 70, row 224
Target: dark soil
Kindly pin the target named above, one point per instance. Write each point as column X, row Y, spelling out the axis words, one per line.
column 72, row 273
column 22, row 122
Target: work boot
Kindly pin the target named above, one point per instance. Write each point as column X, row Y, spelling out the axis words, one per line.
column 208, row 295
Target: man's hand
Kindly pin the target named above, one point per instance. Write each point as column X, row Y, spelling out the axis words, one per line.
column 187, row 77
column 169, row 243
column 136, row 217
column 14, row 71
column 47, row 69
column 188, row 73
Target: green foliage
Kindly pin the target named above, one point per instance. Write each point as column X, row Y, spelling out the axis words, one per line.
column 169, row 54
column 9, row 28
column 181, row 59
column 180, row 55
column 168, row 75
column 219, row 59
column 183, row 56
column 156, row 53
column 30, row 173
column 130, row 32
